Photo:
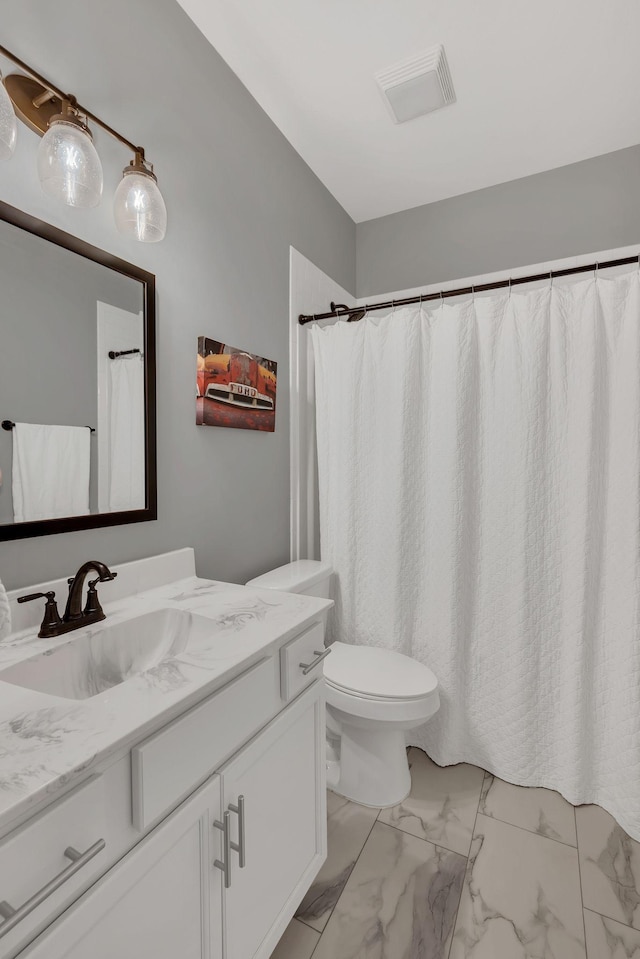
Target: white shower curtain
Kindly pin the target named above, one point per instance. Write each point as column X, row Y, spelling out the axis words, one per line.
column 479, row 477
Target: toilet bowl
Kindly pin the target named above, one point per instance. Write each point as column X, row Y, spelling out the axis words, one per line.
column 374, row 696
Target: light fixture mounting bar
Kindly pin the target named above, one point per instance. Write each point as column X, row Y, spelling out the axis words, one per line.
column 66, row 96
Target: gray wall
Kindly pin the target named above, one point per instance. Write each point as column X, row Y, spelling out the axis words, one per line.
column 238, row 195
column 48, row 318
column 581, row 208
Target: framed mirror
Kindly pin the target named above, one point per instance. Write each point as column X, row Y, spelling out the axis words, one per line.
column 77, row 383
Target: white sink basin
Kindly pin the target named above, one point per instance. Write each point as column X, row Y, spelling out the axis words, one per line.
column 106, row 655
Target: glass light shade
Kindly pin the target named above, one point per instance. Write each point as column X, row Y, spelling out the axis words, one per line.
column 139, row 208
column 8, row 124
column 69, row 166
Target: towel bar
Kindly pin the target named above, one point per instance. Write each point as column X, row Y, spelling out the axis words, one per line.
column 8, row 425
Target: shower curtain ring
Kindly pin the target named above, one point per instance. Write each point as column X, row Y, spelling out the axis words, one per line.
column 509, row 287
column 595, row 273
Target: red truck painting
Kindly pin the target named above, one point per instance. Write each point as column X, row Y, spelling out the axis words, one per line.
column 234, row 388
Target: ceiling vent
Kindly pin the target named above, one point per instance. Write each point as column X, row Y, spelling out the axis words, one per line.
column 417, row 86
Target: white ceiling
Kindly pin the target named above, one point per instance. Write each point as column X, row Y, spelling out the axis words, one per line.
column 539, row 84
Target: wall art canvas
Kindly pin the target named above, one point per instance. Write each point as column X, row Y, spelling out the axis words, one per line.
column 234, row 388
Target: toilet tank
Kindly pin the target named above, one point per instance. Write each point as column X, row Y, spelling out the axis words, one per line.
column 309, row 576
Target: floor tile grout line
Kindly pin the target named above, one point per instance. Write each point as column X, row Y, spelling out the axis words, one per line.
column 429, row 842
column 432, row 842
column 317, row 942
column 333, row 908
column 530, row 831
column 533, row 833
column 307, row 924
column 505, row 822
column 464, row 879
column 584, row 925
column 497, row 818
column 603, row 915
column 488, row 816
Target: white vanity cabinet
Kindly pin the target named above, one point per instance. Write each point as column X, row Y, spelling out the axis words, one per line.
column 221, row 876
column 277, row 785
column 159, row 901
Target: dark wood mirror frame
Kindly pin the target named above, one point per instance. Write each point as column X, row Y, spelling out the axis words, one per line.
column 96, row 520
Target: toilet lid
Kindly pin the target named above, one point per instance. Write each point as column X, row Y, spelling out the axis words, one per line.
column 380, row 673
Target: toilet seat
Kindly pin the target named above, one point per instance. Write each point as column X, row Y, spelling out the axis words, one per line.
column 374, row 699
column 390, row 711
column 368, row 683
column 382, row 675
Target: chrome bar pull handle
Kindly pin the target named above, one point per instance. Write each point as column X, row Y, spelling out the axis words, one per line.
column 13, row 916
column 320, row 655
column 224, row 864
column 239, row 846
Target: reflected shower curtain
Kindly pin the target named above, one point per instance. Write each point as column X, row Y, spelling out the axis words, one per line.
column 126, row 433
column 479, row 476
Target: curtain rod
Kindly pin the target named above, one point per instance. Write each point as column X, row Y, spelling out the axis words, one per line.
column 114, row 354
column 357, row 312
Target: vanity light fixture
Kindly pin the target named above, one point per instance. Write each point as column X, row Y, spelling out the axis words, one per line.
column 138, row 206
column 8, row 125
column 68, row 164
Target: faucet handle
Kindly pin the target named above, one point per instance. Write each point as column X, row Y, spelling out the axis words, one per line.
column 27, row 599
column 51, row 620
column 92, row 606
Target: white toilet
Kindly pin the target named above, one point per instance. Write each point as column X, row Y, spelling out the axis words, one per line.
column 373, row 697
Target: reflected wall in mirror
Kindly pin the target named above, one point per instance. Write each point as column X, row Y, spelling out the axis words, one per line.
column 77, row 383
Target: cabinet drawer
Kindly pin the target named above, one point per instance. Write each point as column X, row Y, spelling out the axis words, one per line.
column 170, row 764
column 296, row 658
column 39, row 867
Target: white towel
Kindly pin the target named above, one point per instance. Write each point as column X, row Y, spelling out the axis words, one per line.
column 5, row 613
column 126, row 448
column 50, row 476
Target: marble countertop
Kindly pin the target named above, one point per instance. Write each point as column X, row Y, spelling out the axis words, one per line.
column 47, row 741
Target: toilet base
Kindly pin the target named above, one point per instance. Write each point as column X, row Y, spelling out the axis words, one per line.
column 373, row 769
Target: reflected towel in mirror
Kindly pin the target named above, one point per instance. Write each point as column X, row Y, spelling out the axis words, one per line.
column 50, row 476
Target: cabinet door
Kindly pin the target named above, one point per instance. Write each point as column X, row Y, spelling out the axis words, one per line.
column 162, row 901
column 281, row 775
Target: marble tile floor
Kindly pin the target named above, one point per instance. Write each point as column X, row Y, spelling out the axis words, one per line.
column 470, row 867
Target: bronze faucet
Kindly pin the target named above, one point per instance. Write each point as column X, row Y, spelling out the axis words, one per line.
column 74, row 616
